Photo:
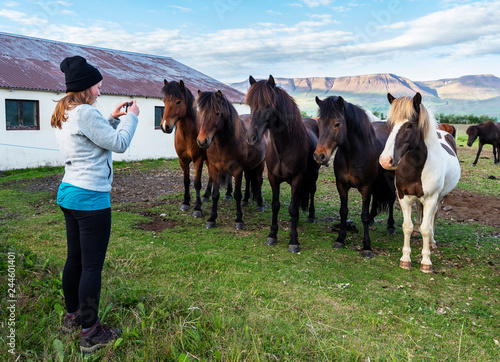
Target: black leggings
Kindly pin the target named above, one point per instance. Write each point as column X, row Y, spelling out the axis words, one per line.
column 88, row 237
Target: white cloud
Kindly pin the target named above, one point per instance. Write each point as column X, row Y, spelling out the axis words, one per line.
column 180, row 8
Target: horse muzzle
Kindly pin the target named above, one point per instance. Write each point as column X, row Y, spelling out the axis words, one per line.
column 387, row 162
column 204, row 143
column 253, row 140
column 321, row 158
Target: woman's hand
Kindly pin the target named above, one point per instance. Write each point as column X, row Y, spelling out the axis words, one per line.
column 132, row 107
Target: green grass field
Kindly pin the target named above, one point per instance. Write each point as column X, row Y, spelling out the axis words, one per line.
column 190, row 294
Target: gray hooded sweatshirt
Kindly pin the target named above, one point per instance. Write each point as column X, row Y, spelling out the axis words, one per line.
column 87, row 140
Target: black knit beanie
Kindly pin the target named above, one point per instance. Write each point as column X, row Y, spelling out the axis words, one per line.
column 79, row 74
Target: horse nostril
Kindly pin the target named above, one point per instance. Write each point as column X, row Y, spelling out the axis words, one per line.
column 251, row 139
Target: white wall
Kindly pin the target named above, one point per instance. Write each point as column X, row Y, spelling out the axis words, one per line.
column 26, row 148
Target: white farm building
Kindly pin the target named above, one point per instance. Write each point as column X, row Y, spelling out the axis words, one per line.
column 31, row 83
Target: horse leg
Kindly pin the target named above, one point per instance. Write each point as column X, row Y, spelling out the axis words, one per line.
column 293, row 210
column 229, row 189
column 215, row 201
column 366, row 193
column 406, row 203
column 312, row 209
column 208, row 190
column 496, row 155
column 197, row 186
column 343, row 192
column 391, row 227
column 248, row 182
column 418, row 220
column 373, row 211
column 187, row 196
column 479, row 149
column 257, row 187
column 427, row 231
column 272, row 238
column 239, row 224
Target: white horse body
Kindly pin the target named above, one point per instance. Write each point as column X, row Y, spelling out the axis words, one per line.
column 439, row 175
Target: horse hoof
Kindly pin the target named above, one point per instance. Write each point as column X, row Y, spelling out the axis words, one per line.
column 312, row 220
column 426, row 268
column 228, row 197
column 405, row 265
column 260, row 208
column 271, row 241
column 239, row 225
column 205, row 199
column 293, row 248
column 433, row 246
column 415, row 234
column 184, row 207
column 391, row 231
column 367, row 254
column 338, row 245
column 473, row 165
column 197, row 213
column 210, row 225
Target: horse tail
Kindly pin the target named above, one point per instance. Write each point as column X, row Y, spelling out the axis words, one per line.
column 384, row 190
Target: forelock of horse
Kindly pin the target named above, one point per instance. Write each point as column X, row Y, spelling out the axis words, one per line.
column 173, row 89
column 210, row 101
column 402, row 109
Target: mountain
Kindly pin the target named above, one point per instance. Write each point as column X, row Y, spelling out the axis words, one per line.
column 471, row 94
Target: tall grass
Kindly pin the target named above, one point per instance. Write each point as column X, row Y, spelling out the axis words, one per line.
column 191, row 294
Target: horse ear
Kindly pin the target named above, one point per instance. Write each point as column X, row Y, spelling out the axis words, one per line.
column 199, row 92
column 390, row 98
column 165, row 82
column 252, row 80
column 318, row 101
column 271, row 81
column 417, row 100
column 181, row 84
column 340, row 102
column 219, row 94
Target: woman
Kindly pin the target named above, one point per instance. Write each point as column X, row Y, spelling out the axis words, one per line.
column 86, row 140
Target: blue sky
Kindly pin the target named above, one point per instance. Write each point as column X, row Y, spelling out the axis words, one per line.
column 232, row 39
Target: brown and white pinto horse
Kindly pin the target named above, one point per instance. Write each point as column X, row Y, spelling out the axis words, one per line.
column 488, row 133
column 222, row 133
column 426, row 164
column 448, row 128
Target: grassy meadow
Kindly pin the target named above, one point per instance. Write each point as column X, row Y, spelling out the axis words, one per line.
column 186, row 293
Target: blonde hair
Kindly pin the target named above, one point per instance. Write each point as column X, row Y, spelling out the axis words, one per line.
column 68, row 102
column 402, row 109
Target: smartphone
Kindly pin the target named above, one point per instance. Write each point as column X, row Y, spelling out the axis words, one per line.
column 128, row 105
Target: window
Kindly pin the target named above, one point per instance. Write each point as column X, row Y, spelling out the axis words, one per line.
column 158, row 116
column 22, row 114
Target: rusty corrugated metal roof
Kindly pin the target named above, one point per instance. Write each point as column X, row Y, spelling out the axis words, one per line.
column 32, row 63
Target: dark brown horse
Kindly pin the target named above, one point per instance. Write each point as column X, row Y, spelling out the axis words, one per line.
column 448, row 128
column 488, row 133
column 222, row 133
column 180, row 114
column 347, row 128
column 289, row 154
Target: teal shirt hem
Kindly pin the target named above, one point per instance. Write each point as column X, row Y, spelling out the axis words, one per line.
column 76, row 198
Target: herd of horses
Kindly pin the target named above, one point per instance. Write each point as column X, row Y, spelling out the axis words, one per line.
column 407, row 157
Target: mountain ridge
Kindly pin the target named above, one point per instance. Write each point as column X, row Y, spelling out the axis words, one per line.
column 469, row 94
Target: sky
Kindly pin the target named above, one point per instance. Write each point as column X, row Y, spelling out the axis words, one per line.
column 232, row 39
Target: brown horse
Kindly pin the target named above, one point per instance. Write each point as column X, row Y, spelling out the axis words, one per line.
column 448, row 128
column 180, row 114
column 347, row 128
column 222, row 133
column 488, row 133
column 289, row 154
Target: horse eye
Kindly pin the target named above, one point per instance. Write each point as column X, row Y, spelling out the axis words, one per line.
column 337, row 125
column 217, row 114
column 410, row 126
column 179, row 102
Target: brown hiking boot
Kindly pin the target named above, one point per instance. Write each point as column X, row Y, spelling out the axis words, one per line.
column 71, row 323
column 97, row 337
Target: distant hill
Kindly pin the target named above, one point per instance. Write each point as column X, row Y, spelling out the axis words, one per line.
column 476, row 94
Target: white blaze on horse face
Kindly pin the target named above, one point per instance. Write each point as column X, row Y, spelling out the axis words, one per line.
column 386, row 158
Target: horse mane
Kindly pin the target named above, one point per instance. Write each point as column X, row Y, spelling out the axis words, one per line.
column 174, row 89
column 402, row 109
column 262, row 95
column 357, row 120
column 217, row 101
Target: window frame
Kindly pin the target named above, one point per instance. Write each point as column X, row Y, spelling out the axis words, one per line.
column 22, row 127
column 162, row 111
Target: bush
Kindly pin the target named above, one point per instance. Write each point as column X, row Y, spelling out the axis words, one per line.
column 463, row 118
